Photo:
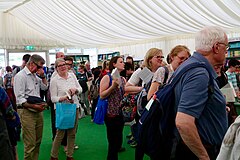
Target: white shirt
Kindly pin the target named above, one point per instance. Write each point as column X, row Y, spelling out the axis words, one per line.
column 59, row 86
column 159, row 75
column 27, row 84
column 134, row 79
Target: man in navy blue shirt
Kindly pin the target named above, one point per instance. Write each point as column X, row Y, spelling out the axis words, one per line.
column 201, row 116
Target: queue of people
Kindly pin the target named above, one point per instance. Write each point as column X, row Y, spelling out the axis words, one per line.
column 201, row 120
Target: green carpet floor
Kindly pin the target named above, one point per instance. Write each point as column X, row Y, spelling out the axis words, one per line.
column 91, row 139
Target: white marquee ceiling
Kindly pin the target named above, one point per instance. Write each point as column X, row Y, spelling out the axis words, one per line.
column 8, row 4
column 110, row 23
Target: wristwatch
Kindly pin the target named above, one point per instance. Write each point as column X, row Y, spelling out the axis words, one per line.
column 42, row 77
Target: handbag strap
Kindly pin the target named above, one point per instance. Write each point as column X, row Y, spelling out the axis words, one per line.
column 110, row 79
column 110, row 82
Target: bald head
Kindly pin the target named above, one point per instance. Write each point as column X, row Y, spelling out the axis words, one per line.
column 59, row 55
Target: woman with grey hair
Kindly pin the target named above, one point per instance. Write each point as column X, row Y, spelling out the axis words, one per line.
column 61, row 85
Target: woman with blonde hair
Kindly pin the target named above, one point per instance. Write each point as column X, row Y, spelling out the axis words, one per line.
column 152, row 60
column 177, row 56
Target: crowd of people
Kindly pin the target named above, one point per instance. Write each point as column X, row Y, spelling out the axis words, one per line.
column 201, row 120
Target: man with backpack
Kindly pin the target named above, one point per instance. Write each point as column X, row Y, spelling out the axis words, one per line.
column 201, row 117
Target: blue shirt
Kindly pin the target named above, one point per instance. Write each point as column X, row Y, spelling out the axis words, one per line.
column 192, row 98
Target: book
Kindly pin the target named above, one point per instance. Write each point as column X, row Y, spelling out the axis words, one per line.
column 146, row 75
column 115, row 74
column 229, row 92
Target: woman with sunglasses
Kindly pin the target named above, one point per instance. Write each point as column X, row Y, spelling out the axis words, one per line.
column 176, row 57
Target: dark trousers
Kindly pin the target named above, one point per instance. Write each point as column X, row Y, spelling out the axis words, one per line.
column 53, row 120
column 94, row 104
column 183, row 152
column 43, row 94
column 114, row 127
column 139, row 153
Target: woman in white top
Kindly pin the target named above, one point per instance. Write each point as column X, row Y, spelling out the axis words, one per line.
column 177, row 56
column 152, row 60
column 62, row 83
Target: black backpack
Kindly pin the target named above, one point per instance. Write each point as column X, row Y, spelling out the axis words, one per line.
column 18, row 69
column 157, row 132
column 82, row 80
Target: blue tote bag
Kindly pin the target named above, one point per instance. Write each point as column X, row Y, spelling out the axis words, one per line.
column 65, row 115
column 101, row 108
column 100, row 111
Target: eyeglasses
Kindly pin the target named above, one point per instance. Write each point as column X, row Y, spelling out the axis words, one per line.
column 38, row 67
column 182, row 58
column 159, row 57
column 61, row 65
column 226, row 45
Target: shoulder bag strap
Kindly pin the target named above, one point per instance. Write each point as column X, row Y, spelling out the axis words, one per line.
column 166, row 74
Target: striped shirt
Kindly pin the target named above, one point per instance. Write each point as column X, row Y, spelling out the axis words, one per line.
column 233, row 79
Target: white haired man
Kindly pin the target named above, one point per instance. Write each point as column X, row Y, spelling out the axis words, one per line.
column 201, row 119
